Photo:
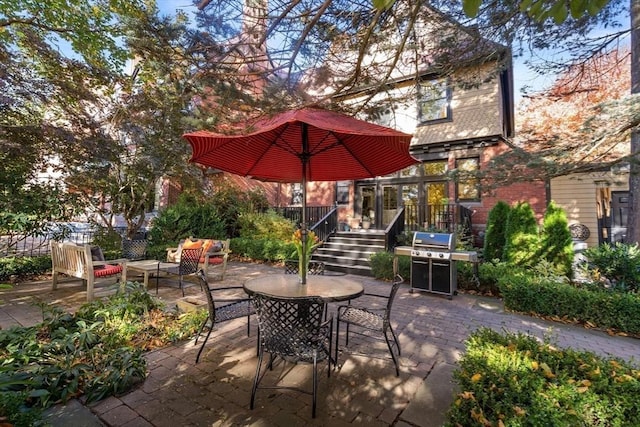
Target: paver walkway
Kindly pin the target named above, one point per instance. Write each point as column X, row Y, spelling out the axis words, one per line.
column 216, row 391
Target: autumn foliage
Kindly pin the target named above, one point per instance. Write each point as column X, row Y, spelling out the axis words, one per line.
column 581, row 121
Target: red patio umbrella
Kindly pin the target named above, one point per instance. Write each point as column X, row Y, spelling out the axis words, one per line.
column 308, row 144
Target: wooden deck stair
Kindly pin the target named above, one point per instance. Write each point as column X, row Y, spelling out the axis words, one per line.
column 349, row 251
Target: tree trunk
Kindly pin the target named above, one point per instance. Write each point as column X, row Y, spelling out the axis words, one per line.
column 633, row 219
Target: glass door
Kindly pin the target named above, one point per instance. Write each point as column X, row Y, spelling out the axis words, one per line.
column 389, row 203
column 436, row 193
column 368, row 206
column 411, row 205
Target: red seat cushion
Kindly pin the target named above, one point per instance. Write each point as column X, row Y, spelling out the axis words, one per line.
column 108, row 270
column 213, row 259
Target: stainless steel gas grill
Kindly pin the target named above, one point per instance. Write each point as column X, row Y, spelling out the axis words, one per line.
column 433, row 262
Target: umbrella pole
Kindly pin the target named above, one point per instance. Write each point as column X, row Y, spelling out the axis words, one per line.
column 303, row 227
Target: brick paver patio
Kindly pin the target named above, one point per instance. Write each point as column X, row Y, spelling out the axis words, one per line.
column 365, row 390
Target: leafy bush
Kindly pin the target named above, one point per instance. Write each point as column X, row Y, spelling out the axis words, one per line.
column 97, row 351
column 266, row 225
column 109, row 241
column 494, row 238
column 262, row 249
column 24, row 267
column 513, row 380
column 382, row 266
column 616, row 266
column 187, row 218
column 527, row 293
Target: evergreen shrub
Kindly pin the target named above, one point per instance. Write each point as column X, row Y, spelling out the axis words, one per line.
column 556, row 242
column 521, row 236
column 494, row 238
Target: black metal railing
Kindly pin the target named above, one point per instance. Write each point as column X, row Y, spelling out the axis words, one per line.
column 393, row 230
column 314, row 213
column 327, row 225
column 28, row 246
column 441, row 217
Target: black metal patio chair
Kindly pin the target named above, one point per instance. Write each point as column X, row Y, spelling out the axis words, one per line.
column 292, row 329
column 189, row 259
column 221, row 309
column 376, row 320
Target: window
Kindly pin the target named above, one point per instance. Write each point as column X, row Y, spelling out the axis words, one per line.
column 410, row 171
column 342, row 192
column 434, row 98
column 435, row 168
column 468, row 187
column 296, row 194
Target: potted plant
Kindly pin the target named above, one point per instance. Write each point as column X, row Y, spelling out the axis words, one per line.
column 366, row 222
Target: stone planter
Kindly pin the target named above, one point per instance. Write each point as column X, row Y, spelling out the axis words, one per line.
column 188, row 304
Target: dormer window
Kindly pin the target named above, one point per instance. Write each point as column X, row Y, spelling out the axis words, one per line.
column 434, row 101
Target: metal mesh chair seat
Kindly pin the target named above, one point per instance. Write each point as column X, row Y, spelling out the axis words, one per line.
column 363, row 317
column 292, row 329
column 376, row 320
column 234, row 308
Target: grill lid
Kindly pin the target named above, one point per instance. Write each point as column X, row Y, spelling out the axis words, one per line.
column 435, row 241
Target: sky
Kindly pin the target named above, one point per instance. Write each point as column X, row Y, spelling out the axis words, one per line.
column 523, row 76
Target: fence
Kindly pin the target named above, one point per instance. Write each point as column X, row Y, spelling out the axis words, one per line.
column 21, row 245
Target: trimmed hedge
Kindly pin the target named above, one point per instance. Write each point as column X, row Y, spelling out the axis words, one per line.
column 603, row 309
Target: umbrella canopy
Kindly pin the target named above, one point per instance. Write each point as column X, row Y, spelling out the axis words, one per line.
column 308, row 144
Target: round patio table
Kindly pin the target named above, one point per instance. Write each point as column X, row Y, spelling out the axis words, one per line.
column 328, row 288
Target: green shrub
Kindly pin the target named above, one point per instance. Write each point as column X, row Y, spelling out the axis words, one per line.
column 513, row 380
column 108, row 240
column 494, row 238
column 556, row 242
column 187, row 218
column 270, row 250
column 382, row 265
column 266, row 225
column 618, row 263
column 521, row 236
column 96, row 352
column 232, row 202
column 24, row 267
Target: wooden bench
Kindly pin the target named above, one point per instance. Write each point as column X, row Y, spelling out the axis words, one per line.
column 78, row 261
column 213, row 255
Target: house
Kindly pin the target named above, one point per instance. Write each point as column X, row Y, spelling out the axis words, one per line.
column 460, row 121
column 461, row 118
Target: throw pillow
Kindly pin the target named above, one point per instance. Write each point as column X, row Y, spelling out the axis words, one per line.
column 96, row 255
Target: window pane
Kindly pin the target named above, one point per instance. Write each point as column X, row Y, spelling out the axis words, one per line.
column 342, row 196
column 410, row 171
column 433, row 101
column 435, row 168
column 468, row 185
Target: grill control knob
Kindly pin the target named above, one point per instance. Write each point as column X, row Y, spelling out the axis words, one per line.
column 429, row 254
column 441, row 255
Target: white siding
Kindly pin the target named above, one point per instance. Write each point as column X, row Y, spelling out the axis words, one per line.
column 576, row 194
